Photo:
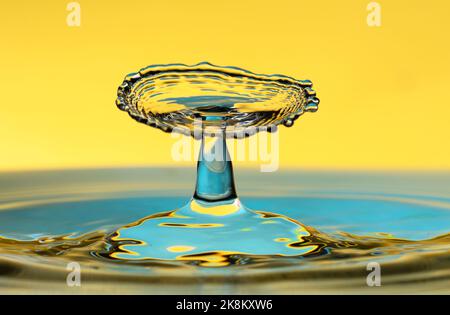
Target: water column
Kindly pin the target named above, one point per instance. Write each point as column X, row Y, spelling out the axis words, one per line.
column 215, row 179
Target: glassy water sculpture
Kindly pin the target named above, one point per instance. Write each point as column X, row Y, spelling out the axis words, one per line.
column 212, row 103
column 214, row 244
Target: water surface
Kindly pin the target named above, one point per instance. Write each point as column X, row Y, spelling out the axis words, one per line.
column 400, row 220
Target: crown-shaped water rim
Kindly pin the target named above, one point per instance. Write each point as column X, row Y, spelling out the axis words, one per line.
column 183, row 98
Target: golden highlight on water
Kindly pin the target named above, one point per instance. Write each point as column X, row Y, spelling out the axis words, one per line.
column 136, row 230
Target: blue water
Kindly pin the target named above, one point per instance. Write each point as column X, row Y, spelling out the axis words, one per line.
column 399, row 219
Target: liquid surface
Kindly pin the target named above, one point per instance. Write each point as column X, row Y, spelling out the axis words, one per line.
column 177, row 96
column 345, row 221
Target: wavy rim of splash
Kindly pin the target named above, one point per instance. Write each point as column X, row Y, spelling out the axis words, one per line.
column 311, row 103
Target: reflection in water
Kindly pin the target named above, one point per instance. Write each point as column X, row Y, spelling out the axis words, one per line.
column 398, row 220
column 211, row 239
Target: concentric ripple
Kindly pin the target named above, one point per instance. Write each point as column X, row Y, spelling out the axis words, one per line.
column 50, row 219
column 178, row 96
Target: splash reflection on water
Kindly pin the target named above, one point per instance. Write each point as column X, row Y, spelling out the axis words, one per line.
column 401, row 221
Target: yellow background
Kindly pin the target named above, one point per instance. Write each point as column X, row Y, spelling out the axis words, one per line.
column 385, row 95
